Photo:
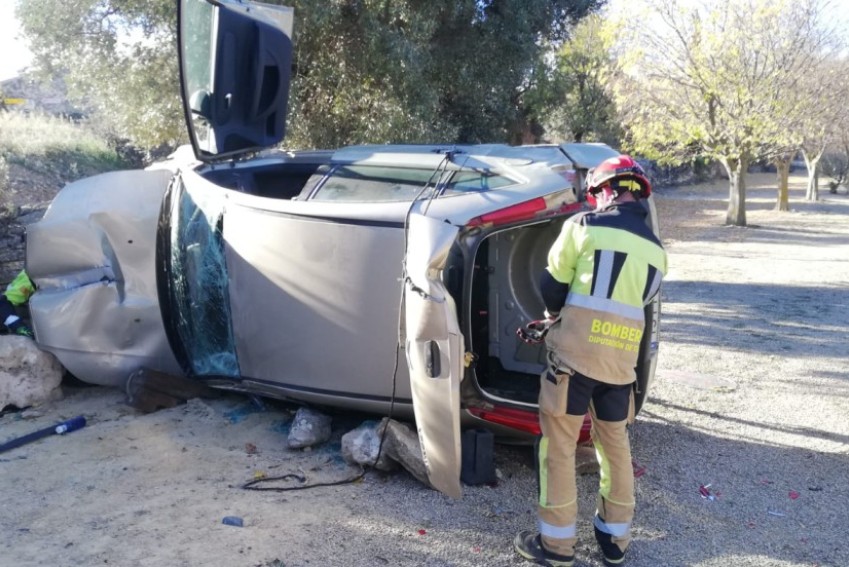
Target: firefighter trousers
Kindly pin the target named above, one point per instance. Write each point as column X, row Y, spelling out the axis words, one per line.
column 564, row 400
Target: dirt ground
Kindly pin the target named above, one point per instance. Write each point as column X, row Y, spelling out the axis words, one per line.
column 751, row 401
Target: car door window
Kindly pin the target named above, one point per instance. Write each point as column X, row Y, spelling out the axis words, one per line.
column 475, row 182
column 368, row 183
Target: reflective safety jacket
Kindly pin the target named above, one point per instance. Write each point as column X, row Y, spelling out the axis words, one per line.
column 20, row 289
column 613, row 264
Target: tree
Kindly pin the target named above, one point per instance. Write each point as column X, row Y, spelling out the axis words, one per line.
column 118, row 59
column 712, row 79
column 580, row 105
column 364, row 70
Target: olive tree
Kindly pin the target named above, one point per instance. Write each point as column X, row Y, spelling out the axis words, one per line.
column 712, row 79
column 364, row 70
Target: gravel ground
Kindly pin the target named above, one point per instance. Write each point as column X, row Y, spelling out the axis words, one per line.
column 751, row 398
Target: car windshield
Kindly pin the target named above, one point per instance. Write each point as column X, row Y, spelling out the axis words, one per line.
column 199, row 283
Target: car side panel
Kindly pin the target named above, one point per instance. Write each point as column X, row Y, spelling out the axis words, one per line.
column 315, row 301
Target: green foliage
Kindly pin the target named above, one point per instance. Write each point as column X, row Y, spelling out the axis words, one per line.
column 118, row 58
column 580, row 104
column 54, row 146
column 365, row 70
column 719, row 80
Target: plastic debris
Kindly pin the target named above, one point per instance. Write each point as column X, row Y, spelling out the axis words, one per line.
column 250, row 449
column 422, row 532
column 793, row 495
column 639, row 470
column 233, row 521
column 704, row 491
column 772, row 513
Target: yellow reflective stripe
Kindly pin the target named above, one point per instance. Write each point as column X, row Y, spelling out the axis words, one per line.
column 607, row 305
column 603, row 471
column 543, row 471
column 547, row 507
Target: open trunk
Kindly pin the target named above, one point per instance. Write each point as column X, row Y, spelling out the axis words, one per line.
column 504, row 296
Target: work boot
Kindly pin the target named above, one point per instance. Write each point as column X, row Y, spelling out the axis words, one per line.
column 529, row 545
column 612, row 555
column 20, row 328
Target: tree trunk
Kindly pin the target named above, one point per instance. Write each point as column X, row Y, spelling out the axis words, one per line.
column 782, row 166
column 736, row 169
column 812, row 193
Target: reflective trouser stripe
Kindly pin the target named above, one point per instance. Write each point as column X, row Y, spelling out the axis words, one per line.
column 558, row 503
column 557, row 532
column 616, row 485
column 618, row 530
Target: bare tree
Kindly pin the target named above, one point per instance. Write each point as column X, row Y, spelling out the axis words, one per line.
column 718, row 79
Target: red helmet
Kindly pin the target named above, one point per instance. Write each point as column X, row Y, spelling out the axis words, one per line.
column 620, row 173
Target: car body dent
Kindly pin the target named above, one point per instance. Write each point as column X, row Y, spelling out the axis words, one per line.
column 92, row 259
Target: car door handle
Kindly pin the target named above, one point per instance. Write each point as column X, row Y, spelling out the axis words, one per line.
column 433, row 367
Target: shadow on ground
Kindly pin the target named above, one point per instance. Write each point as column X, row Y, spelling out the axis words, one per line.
column 773, row 319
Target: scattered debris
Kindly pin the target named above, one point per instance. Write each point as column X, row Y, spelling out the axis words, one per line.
column 233, row 521
column 362, row 445
column 402, row 446
column 793, row 495
column 422, row 532
column 309, row 428
column 704, row 491
column 251, row 449
column 639, row 470
column 773, row 513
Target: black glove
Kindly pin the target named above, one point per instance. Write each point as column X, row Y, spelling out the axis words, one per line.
column 534, row 332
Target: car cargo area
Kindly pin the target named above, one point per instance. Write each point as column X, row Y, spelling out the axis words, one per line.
column 274, row 180
column 504, row 296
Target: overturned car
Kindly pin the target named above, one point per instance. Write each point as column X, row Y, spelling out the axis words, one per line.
column 374, row 278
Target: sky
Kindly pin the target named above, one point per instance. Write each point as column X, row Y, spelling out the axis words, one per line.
column 14, row 54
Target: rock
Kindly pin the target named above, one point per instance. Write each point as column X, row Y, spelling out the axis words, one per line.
column 585, row 460
column 28, row 375
column 361, row 446
column 402, row 444
column 309, row 427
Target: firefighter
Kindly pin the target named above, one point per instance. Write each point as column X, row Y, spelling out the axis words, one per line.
column 17, row 293
column 603, row 269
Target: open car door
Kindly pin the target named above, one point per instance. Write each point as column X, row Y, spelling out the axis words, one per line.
column 235, row 67
column 434, row 347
